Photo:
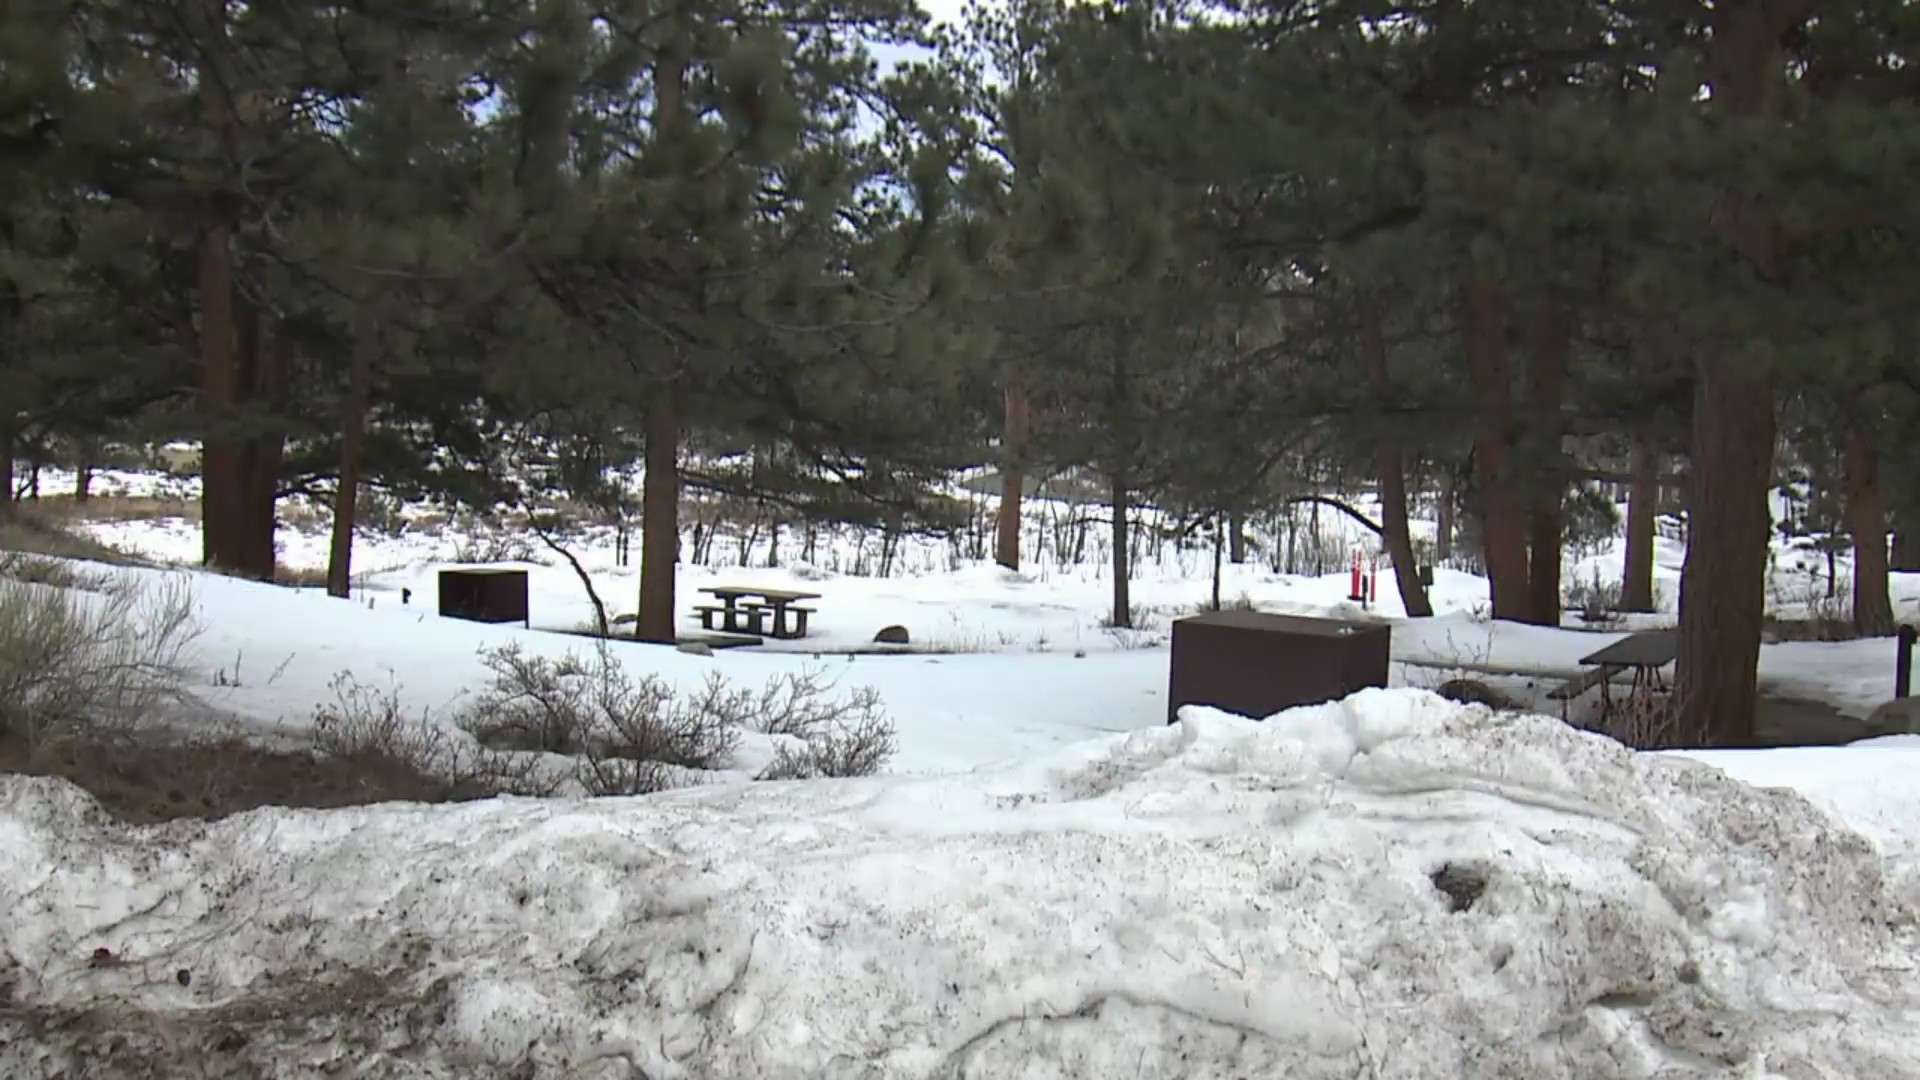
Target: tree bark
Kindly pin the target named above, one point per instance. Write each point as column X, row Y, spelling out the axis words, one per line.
column 660, row 493
column 1552, row 337
column 1723, row 582
column 223, row 475
column 1122, row 561
column 7, row 463
column 1503, row 514
column 1443, row 519
column 1643, row 504
column 263, row 378
column 353, row 433
column 1867, row 520
column 1729, row 521
column 1219, row 552
column 1237, row 538
column 1013, row 446
column 1390, row 463
column 221, row 497
column 659, row 523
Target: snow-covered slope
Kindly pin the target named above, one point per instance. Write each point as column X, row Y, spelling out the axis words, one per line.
column 1388, row 887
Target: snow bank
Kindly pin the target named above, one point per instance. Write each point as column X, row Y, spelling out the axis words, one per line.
column 1392, row 886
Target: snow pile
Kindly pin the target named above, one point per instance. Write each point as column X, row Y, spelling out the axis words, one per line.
column 1388, row 887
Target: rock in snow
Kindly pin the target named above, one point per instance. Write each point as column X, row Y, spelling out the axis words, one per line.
column 1393, row 886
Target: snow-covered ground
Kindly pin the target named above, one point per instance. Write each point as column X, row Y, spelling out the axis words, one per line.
column 1393, row 886
column 1051, row 882
column 1051, row 609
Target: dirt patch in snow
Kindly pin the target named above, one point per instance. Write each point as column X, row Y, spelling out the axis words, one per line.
column 155, row 778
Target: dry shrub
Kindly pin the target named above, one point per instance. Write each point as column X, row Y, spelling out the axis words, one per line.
column 638, row 735
column 626, row 735
column 39, row 533
column 371, row 730
column 858, row 746
column 492, row 547
column 632, row 736
column 91, row 665
column 1645, row 720
column 61, row 573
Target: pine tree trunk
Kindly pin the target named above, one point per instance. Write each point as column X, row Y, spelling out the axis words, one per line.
column 1447, row 499
column 660, row 496
column 1237, row 538
column 1729, row 521
column 353, row 433
column 83, row 482
column 1013, row 445
column 1390, row 463
column 1122, row 563
column 1552, row 337
column 773, row 543
column 1219, row 552
column 1643, row 504
column 1867, row 519
column 659, row 523
column 263, row 372
column 221, row 481
column 1503, row 514
column 1723, row 582
column 7, row 465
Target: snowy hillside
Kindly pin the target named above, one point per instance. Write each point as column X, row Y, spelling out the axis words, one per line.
column 1393, row 887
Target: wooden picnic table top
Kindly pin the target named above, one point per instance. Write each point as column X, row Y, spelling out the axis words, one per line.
column 777, row 596
column 1644, row 649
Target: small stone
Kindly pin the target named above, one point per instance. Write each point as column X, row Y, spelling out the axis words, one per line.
column 1475, row 692
column 892, row 635
column 1901, row 716
column 183, row 977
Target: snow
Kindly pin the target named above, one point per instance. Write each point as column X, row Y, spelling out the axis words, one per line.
column 1212, row 899
column 1049, row 881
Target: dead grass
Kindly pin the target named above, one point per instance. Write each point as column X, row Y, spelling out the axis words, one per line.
column 31, row 533
column 154, row 779
column 67, row 510
column 305, row 577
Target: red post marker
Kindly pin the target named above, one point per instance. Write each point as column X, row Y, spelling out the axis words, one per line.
column 1353, row 587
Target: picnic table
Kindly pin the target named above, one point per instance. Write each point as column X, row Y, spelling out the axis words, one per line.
column 744, row 610
column 1644, row 653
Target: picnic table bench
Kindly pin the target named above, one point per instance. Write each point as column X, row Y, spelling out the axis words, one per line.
column 744, row 610
column 1644, row 654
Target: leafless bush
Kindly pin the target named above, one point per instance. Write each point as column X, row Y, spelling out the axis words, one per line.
column 859, row 746
column 1596, row 599
column 492, row 547
column 798, row 704
column 533, row 703
column 61, row 573
column 1646, row 720
column 371, row 729
column 91, row 665
column 1461, row 658
column 634, row 736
